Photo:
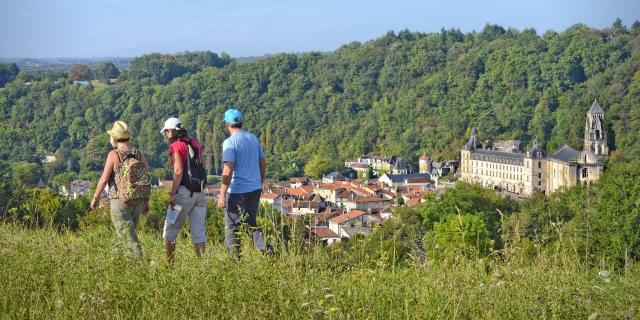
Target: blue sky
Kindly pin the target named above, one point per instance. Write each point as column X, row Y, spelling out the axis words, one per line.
column 108, row 28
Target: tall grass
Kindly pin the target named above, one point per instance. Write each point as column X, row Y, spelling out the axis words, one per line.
column 52, row 275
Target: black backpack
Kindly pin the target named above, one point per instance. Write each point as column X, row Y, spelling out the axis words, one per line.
column 195, row 178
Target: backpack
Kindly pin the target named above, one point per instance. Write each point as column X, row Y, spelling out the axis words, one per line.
column 132, row 179
column 195, row 178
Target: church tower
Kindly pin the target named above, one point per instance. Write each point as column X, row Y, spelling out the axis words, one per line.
column 595, row 137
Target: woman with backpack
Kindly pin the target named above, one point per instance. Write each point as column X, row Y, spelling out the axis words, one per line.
column 126, row 171
column 189, row 180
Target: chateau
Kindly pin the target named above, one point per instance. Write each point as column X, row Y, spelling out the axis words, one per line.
column 505, row 168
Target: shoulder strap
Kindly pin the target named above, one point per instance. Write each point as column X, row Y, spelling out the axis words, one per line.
column 120, row 156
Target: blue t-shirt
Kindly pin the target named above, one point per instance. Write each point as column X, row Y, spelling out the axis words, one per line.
column 244, row 150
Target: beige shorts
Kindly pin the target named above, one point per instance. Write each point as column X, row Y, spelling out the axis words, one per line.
column 195, row 209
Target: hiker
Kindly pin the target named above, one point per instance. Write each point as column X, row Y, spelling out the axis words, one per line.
column 189, row 180
column 126, row 171
column 244, row 167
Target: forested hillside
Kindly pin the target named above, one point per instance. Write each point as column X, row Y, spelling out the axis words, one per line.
column 401, row 94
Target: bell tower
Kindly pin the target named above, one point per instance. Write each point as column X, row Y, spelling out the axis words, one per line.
column 595, row 137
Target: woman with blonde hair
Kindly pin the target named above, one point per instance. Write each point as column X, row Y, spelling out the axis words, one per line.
column 126, row 171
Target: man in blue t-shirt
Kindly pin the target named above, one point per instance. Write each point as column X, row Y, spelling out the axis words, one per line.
column 244, row 167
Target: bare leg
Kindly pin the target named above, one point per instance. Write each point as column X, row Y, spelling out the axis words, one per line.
column 171, row 251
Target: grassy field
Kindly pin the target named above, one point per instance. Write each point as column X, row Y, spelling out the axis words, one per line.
column 50, row 275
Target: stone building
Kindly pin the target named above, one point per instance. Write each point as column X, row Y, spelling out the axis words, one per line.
column 534, row 171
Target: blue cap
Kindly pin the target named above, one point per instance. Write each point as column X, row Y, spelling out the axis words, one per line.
column 233, row 116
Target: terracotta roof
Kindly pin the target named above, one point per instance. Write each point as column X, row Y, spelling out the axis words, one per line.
column 343, row 194
column 368, row 199
column 323, row 232
column 414, row 201
column 269, row 196
column 361, row 192
column 332, row 185
column 323, row 217
column 347, row 216
column 307, row 204
column 301, row 191
column 297, row 179
column 418, row 180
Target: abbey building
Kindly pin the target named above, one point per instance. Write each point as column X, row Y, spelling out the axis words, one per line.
column 504, row 167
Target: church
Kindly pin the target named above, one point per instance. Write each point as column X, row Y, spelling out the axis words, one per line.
column 505, row 168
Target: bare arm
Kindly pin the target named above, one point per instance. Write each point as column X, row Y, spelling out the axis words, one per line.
column 227, row 173
column 178, row 170
column 263, row 168
column 106, row 174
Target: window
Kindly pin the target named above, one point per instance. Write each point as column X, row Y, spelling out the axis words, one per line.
column 539, row 164
column 585, row 173
column 539, row 175
column 539, row 183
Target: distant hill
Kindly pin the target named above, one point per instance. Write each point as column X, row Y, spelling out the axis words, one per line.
column 63, row 64
column 401, row 94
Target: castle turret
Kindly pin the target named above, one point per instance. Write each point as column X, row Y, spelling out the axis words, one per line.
column 425, row 164
column 472, row 144
column 595, row 136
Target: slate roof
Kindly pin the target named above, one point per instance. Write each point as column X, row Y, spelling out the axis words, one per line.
column 402, row 177
column 502, row 154
column 595, row 107
column 350, row 231
column 564, row 153
column 367, row 199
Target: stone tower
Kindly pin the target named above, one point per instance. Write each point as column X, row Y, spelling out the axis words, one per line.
column 595, row 136
column 425, row 164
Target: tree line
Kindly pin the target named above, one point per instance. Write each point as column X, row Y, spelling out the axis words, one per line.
column 403, row 94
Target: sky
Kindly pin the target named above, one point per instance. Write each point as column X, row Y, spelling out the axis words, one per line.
column 127, row 28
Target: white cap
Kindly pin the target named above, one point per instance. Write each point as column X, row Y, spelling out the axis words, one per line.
column 171, row 123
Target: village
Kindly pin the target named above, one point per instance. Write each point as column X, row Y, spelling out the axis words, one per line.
column 344, row 203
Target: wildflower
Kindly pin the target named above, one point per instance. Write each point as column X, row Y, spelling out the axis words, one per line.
column 328, row 296
column 500, row 283
column 83, row 297
column 604, row 276
column 59, row 303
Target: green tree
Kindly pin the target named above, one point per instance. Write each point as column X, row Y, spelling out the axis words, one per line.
column 25, row 173
column 79, row 72
column 106, row 71
column 320, row 165
column 458, row 234
column 8, row 72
